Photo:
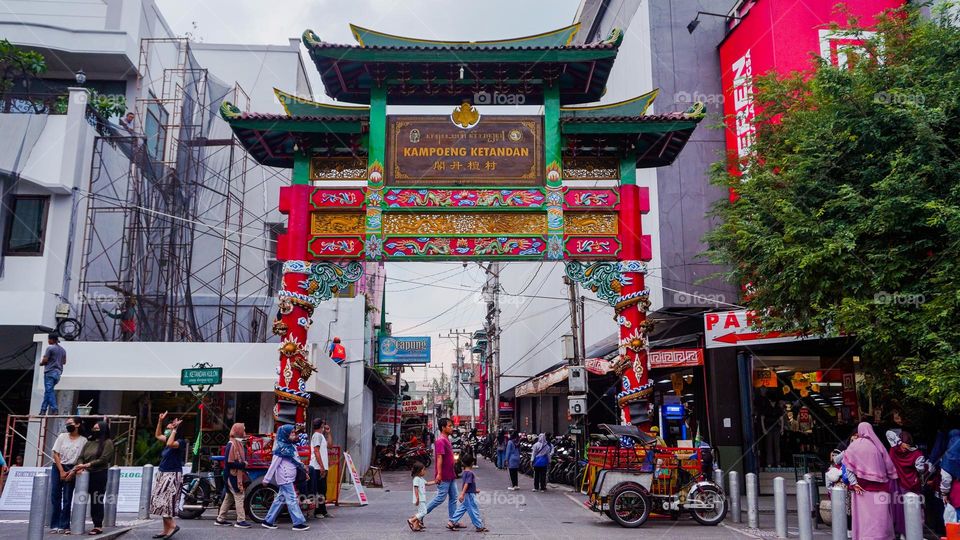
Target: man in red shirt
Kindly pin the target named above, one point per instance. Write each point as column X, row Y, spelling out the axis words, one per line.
column 446, row 476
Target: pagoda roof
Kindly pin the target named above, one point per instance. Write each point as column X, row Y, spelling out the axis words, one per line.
column 297, row 106
column 429, row 72
column 272, row 139
column 656, row 139
column 636, row 106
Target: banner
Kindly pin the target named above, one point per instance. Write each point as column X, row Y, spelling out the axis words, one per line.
column 386, row 420
column 355, row 479
column 413, row 407
column 404, row 350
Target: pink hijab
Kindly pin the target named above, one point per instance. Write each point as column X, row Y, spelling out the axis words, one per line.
column 867, row 457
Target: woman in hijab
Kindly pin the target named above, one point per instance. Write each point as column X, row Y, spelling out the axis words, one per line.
column 872, row 483
column 235, row 477
column 283, row 473
column 911, row 466
column 950, row 478
column 95, row 458
column 511, row 457
column 542, row 449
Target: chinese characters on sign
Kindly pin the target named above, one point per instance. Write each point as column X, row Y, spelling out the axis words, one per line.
column 432, row 150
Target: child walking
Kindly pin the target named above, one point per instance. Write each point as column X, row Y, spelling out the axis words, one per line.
column 468, row 494
column 418, row 471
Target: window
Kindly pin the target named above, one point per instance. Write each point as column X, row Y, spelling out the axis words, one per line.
column 155, row 130
column 28, row 220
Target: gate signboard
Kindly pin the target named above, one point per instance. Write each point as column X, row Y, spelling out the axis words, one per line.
column 438, row 150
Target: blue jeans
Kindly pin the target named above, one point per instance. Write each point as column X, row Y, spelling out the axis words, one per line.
column 61, row 498
column 50, row 380
column 469, row 507
column 445, row 489
column 500, row 458
column 286, row 495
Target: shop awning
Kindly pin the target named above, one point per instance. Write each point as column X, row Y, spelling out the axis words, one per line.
column 540, row 383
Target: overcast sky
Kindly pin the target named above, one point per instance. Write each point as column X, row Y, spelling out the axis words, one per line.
column 451, row 300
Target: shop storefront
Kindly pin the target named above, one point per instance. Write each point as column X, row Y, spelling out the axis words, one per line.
column 680, row 394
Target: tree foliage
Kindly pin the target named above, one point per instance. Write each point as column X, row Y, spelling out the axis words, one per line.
column 848, row 216
column 18, row 65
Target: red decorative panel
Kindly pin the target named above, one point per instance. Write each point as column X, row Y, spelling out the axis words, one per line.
column 587, row 247
column 335, row 247
column 591, row 199
column 479, row 199
column 488, row 247
column 336, row 199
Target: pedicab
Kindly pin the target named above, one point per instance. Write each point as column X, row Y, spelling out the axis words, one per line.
column 628, row 482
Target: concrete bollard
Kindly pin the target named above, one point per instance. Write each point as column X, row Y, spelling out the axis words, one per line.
column 734, row 495
column 803, row 510
column 753, row 513
column 146, row 488
column 780, row 506
column 110, row 501
column 814, row 498
column 38, row 503
column 81, row 503
column 718, row 477
column 48, row 496
column 838, row 512
column 913, row 516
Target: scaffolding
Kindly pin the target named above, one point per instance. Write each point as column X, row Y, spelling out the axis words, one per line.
column 123, row 431
column 177, row 231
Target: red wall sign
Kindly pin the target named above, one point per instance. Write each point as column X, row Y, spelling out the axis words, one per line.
column 673, row 358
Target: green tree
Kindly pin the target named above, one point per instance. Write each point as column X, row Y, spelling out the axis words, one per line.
column 18, row 65
column 848, row 216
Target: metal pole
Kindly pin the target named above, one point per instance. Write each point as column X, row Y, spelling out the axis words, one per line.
column 38, row 505
column 735, row 496
column 753, row 515
column 81, row 501
column 718, row 477
column 49, row 495
column 913, row 516
column 110, row 502
column 780, row 506
column 838, row 513
column 814, row 493
column 803, row 510
column 146, row 487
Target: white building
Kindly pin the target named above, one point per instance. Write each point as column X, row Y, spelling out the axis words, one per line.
column 172, row 214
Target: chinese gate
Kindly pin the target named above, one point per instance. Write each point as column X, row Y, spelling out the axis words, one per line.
column 459, row 185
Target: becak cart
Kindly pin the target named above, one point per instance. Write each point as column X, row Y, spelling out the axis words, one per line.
column 630, row 481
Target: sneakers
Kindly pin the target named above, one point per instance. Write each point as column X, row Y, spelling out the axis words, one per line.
column 266, row 525
column 301, row 527
column 242, row 525
column 512, row 488
column 221, row 523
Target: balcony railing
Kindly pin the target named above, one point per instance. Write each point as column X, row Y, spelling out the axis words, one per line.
column 33, row 103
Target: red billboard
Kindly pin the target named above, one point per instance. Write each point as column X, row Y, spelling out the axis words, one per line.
column 782, row 36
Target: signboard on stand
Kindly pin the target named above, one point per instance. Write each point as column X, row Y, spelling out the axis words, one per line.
column 354, row 476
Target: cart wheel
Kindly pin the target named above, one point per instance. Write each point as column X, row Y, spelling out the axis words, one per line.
column 258, row 500
column 629, row 505
column 709, row 495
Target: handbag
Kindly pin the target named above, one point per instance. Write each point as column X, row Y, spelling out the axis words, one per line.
column 541, row 461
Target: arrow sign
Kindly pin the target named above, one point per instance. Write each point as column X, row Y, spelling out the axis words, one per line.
column 732, row 328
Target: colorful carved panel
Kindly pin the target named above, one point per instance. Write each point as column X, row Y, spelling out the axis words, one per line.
column 338, row 168
column 322, row 198
column 591, row 223
column 333, row 223
column 460, row 224
column 336, row 247
column 591, row 198
column 513, row 247
column 588, row 247
column 464, row 198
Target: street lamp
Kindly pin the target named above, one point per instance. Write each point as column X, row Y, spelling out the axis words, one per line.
column 81, row 77
column 692, row 25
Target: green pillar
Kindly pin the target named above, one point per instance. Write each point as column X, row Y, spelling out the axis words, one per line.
column 628, row 169
column 301, row 169
column 554, row 161
column 376, row 152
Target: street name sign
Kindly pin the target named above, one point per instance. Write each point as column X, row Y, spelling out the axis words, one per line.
column 201, row 376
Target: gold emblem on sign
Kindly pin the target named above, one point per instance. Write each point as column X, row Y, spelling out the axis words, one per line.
column 414, row 135
column 465, row 116
column 515, row 135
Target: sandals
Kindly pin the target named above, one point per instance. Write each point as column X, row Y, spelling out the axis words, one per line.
column 95, row 532
column 412, row 523
column 451, row 526
column 173, row 532
column 483, row 529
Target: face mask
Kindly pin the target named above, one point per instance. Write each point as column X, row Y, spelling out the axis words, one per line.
column 94, row 436
column 167, row 432
column 71, row 428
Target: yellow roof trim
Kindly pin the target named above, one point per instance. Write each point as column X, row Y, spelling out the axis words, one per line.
column 354, row 29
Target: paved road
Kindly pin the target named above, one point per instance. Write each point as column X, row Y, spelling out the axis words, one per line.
column 556, row 514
